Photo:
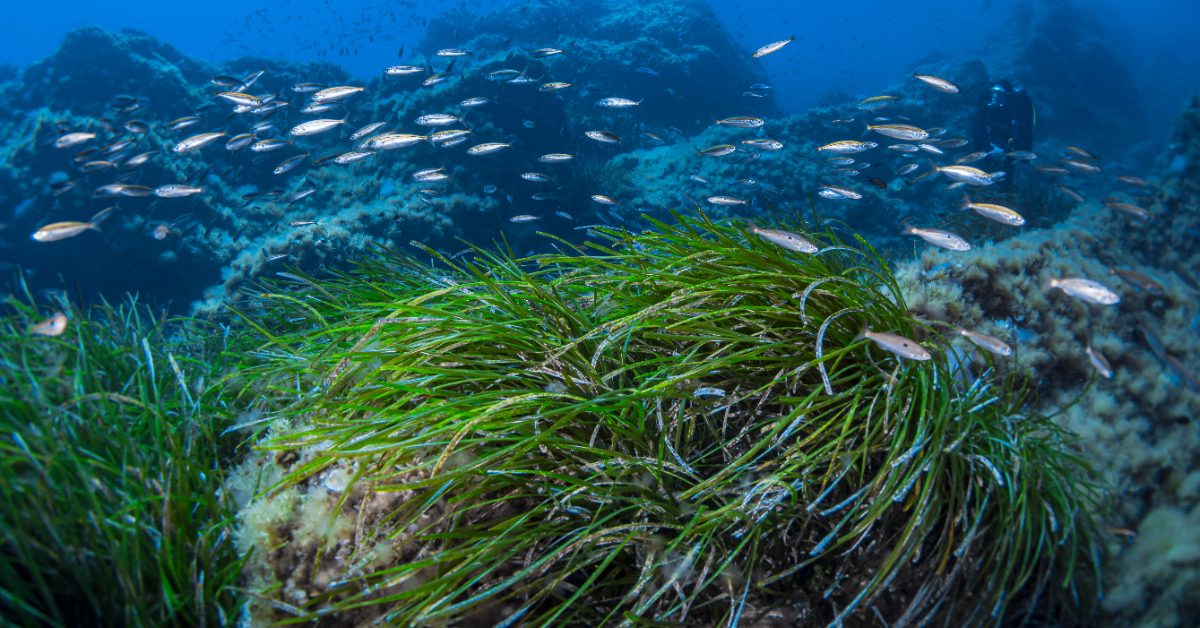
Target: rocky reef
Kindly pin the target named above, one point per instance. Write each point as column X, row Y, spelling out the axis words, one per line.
column 1138, row 423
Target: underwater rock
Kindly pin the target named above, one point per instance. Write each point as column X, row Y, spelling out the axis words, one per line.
column 1139, row 425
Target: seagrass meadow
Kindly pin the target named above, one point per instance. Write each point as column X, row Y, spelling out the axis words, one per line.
column 677, row 426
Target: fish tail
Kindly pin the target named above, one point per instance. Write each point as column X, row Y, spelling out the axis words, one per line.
column 99, row 218
column 966, row 204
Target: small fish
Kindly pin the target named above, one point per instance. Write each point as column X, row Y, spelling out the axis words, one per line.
column 268, row 145
column 240, row 141
column 523, row 218
column 1022, row 155
column 603, row 200
column 875, row 103
column 968, row 174
column 1086, row 154
column 176, row 190
column 249, row 80
column 290, row 163
column 930, row 148
column 763, row 143
column 366, row 130
column 970, row 158
column 1080, row 166
column 452, row 52
column 904, row 148
column 1128, row 208
column 352, row 156
column 436, row 119
column 69, row 229
column 907, row 169
column 300, row 194
column 536, row 177
column 898, row 345
column 772, row 47
column 136, row 191
column 403, row 70
column 720, row 150
column 477, row 101
column 487, row 148
column 238, row 98
column 848, row 147
column 956, row 142
column 96, row 166
column 617, row 103
column 564, row 215
column 786, row 239
column 1186, row 376
column 196, row 142
column 836, row 191
column 51, row 327
column 741, row 122
column 184, row 122
column 899, row 131
column 312, row 127
column 1085, row 290
column 553, row 86
column 332, row 94
column 1139, row 281
column 430, row 175
column 448, row 137
column 1070, row 192
column 554, row 158
column 940, row 84
column 1099, row 362
column 988, row 343
column 542, row 53
column 137, row 126
column 308, row 88
column 393, row 141
column 503, row 75
column 937, row 237
column 301, row 223
column 726, row 200
column 320, row 107
column 1135, row 181
column 999, row 213
column 604, row 137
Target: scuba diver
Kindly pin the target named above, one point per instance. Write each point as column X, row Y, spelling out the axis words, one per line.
column 1004, row 125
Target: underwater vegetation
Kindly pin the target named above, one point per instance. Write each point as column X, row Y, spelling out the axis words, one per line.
column 680, row 425
column 111, row 470
column 640, row 406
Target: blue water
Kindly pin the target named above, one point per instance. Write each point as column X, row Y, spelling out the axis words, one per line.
column 847, row 46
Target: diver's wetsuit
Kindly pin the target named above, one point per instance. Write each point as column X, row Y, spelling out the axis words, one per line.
column 1005, row 124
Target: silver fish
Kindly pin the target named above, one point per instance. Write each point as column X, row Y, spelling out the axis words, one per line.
column 487, row 148
column 786, row 239
column 176, row 190
column 898, row 345
column 937, row 237
column 312, row 127
column 63, row 230
column 988, row 343
column 772, row 47
column 196, row 142
column 1085, row 290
